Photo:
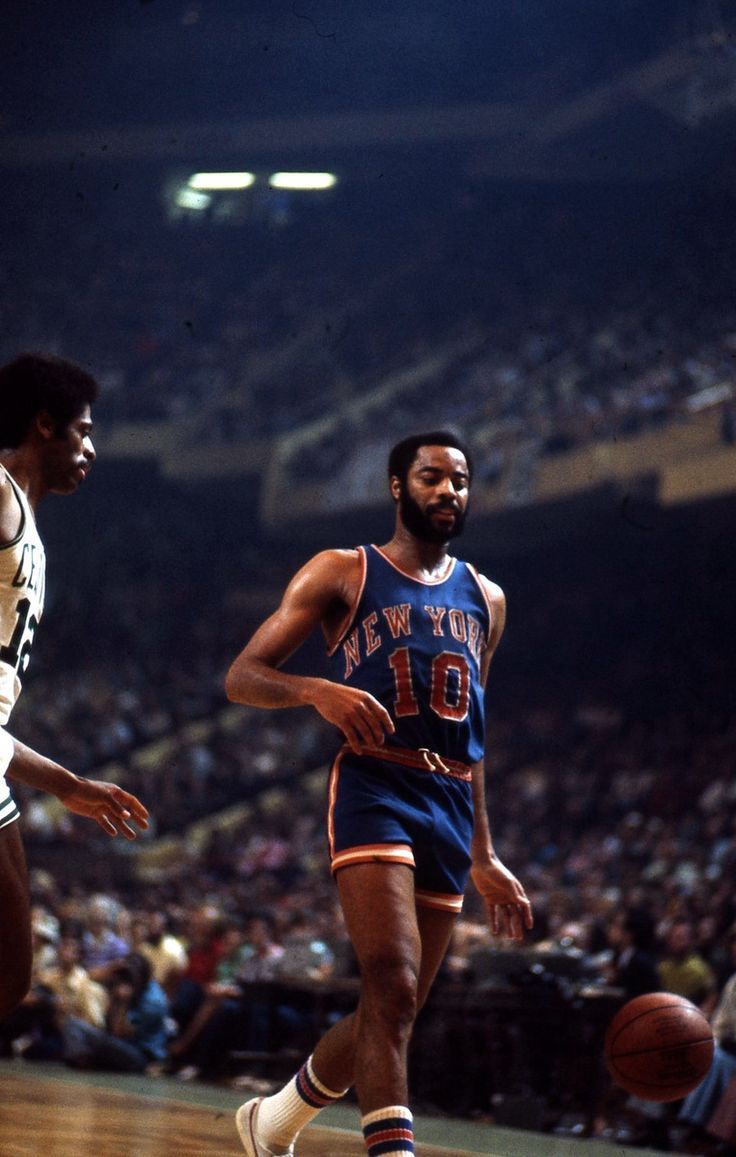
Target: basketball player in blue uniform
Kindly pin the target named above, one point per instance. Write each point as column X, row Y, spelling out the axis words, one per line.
column 45, row 425
column 410, row 631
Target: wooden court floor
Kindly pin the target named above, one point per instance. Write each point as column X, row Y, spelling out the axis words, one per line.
column 48, row 1111
column 44, row 1117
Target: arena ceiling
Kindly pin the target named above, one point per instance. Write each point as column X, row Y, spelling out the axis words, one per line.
column 520, row 89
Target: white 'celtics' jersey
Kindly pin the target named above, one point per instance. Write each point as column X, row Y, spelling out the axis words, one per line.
column 22, row 583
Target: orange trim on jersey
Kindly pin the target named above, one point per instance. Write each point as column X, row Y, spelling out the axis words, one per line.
column 374, row 854
column 422, row 582
column 486, row 598
column 444, row 901
column 331, row 798
column 344, row 628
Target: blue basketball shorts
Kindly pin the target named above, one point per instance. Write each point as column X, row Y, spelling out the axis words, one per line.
column 401, row 810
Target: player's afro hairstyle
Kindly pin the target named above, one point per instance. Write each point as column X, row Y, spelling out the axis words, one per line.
column 35, row 382
column 404, row 452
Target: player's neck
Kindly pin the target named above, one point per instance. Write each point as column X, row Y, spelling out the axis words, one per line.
column 425, row 560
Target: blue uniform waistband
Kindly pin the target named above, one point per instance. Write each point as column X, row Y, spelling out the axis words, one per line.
column 423, row 760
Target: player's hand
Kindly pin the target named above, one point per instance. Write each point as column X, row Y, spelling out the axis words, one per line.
column 508, row 907
column 108, row 805
column 362, row 719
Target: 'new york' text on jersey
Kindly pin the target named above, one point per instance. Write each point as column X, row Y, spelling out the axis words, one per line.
column 417, row 647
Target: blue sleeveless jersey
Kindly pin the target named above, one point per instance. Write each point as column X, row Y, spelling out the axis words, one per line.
column 417, row 647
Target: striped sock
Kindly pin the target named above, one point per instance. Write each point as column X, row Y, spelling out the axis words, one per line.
column 282, row 1116
column 389, row 1132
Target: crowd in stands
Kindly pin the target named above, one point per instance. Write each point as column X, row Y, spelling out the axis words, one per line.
column 561, row 375
column 254, row 333
column 610, row 763
column 611, row 793
column 244, row 336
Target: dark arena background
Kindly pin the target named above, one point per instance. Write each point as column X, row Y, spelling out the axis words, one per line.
column 283, row 236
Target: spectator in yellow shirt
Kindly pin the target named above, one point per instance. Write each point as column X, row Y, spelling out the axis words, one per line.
column 682, row 969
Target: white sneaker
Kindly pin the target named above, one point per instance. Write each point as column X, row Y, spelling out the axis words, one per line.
column 245, row 1119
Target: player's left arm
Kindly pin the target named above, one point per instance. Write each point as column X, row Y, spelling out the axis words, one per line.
column 114, row 809
column 507, row 904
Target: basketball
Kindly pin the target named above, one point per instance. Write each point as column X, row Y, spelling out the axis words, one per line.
column 658, row 1046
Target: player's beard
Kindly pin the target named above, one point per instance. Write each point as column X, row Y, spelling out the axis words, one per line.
column 420, row 524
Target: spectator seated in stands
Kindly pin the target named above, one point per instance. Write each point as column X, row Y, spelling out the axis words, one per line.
column 101, row 944
column 205, row 947
column 253, row 1013
column 136, row 1030
column 683, row 970
column 58, row 992
column 699, row 1107
column 633, row 964
column 150, row 935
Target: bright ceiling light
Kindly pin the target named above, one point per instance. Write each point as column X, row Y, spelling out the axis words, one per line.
column 212, row 181
column 302, row 180
column 189, row 199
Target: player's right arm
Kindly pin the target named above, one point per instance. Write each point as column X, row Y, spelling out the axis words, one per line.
column 114, row 809
column 319, row 593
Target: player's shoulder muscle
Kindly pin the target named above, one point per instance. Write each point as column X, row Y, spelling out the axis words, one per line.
column 328, row 575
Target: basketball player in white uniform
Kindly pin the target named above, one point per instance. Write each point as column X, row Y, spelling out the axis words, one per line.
column 45, row 426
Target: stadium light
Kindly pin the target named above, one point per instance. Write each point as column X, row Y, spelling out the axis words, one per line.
column 215, row 181
column 302, row 180
column 189, row 199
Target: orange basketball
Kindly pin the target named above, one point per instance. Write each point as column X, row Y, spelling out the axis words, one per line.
column 658, row 1046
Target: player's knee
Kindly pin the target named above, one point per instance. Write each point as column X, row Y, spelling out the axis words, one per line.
column 389, row 992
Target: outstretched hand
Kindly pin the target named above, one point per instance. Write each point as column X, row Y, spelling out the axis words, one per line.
column 508, row 907
column 106, row 803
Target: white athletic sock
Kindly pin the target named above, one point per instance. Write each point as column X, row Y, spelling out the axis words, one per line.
column 389, row 1132
column 282, row 1116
